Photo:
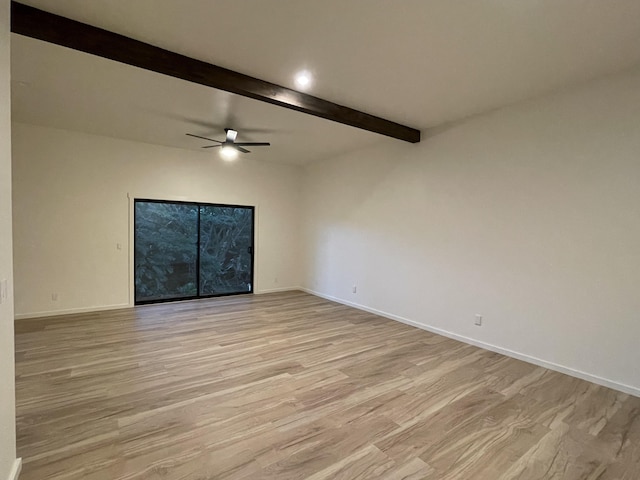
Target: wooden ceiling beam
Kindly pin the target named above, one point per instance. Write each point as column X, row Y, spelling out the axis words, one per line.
column 35, row 23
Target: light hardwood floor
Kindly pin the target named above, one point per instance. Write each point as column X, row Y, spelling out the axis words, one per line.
column 289, row 386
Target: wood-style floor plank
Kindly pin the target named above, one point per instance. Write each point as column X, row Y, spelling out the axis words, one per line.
column 288, row 386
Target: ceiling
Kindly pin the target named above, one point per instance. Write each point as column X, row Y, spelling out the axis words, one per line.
column 417, row 62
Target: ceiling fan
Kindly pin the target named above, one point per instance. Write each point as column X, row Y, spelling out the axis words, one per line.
column 230, row 147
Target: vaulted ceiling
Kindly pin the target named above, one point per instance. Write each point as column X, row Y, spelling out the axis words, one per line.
column 417, row 62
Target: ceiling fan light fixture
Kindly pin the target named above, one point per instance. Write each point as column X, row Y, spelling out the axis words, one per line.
column 231, row 135
column 228, row 153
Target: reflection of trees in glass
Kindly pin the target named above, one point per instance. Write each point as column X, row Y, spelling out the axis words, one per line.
column 225, row 258
column 166, row 239
column 166, row 250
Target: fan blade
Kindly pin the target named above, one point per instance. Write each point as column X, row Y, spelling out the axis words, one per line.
column 253, row 144
column 243, row 150
column 203, row 138
column 211, row 146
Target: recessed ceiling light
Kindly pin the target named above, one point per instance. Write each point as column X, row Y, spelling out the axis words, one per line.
column 303, row 79
column 228, row 153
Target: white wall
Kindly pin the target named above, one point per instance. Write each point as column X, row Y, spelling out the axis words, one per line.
column 71, row 209
column 8, row 462
column 529, row 216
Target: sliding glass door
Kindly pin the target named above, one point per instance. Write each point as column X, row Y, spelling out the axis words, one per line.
column 191, row 250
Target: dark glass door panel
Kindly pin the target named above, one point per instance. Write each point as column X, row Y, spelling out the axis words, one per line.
column 187, row 250
column 166, row 251
column 226, row 250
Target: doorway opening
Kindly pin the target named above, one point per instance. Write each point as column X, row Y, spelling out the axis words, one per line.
column 186, row 250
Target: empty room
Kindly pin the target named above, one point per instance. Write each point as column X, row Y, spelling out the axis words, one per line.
column 298, row 239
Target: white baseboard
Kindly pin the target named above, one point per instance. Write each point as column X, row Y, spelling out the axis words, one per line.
column 53, row 313
column 276, row 290
column 15, row 469
column 605, row 382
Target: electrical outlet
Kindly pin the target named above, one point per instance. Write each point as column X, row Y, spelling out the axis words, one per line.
column 54, row 297
column 478, row 321
column 355, row 289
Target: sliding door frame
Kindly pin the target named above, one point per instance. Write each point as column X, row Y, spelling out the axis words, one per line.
column 198, row 205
